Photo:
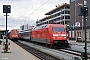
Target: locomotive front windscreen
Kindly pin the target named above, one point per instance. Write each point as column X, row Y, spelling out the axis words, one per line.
column 58, row 29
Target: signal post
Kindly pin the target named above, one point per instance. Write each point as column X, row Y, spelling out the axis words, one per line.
column 6, row 9
column 83, row 11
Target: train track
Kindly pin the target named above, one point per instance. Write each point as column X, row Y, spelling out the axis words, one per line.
column 70, row 52
column 46, row 56
column 37, row 53
column 67, row 50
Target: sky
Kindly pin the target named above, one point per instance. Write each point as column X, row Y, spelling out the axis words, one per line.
column 25, row 12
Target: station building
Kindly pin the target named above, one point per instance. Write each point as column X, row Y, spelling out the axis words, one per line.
column 59, row 15
column 77, row 21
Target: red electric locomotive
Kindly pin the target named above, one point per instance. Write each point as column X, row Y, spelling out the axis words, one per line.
column 52, row 34
column 14, row 35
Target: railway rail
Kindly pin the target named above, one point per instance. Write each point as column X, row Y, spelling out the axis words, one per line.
column 37, row 53
column 46, row 56
column 74, row 52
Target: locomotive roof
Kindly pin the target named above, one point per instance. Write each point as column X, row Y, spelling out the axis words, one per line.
column 42, row 26
column 14, row 30
column 46, row 25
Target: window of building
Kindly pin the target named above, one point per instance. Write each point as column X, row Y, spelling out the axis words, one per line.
column 62, row 7
column 72, row 0
column 62, row 12
column 78, row 34
column 58, row 14
column 67, row 12
column 62, row 17
column 58, row 19
column 67, row 7
column 67, row 17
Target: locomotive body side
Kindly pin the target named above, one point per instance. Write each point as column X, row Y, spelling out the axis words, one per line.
column 40, row 35
column 51, row 34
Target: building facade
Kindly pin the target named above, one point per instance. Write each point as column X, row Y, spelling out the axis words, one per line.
column 77, row 21
column 58, row 15
column 74, row 18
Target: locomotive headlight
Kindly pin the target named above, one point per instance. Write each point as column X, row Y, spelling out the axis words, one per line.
column 55, row 34
column 64, row 37
column 53, row 37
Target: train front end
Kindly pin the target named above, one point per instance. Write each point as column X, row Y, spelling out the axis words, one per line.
column 59, row 36
column 14, row 35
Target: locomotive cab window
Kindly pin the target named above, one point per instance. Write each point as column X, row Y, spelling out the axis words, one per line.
column 58, row 29
column 16, row 32
column 12, row 32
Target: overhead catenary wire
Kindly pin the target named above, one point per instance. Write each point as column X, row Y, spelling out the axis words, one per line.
column 30, row 8
column 23, row 15
column 10, row 1
column 36, row 10
column 35, row 3
column 1, row 19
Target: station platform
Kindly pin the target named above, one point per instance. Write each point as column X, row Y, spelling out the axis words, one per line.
column 17, row 53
